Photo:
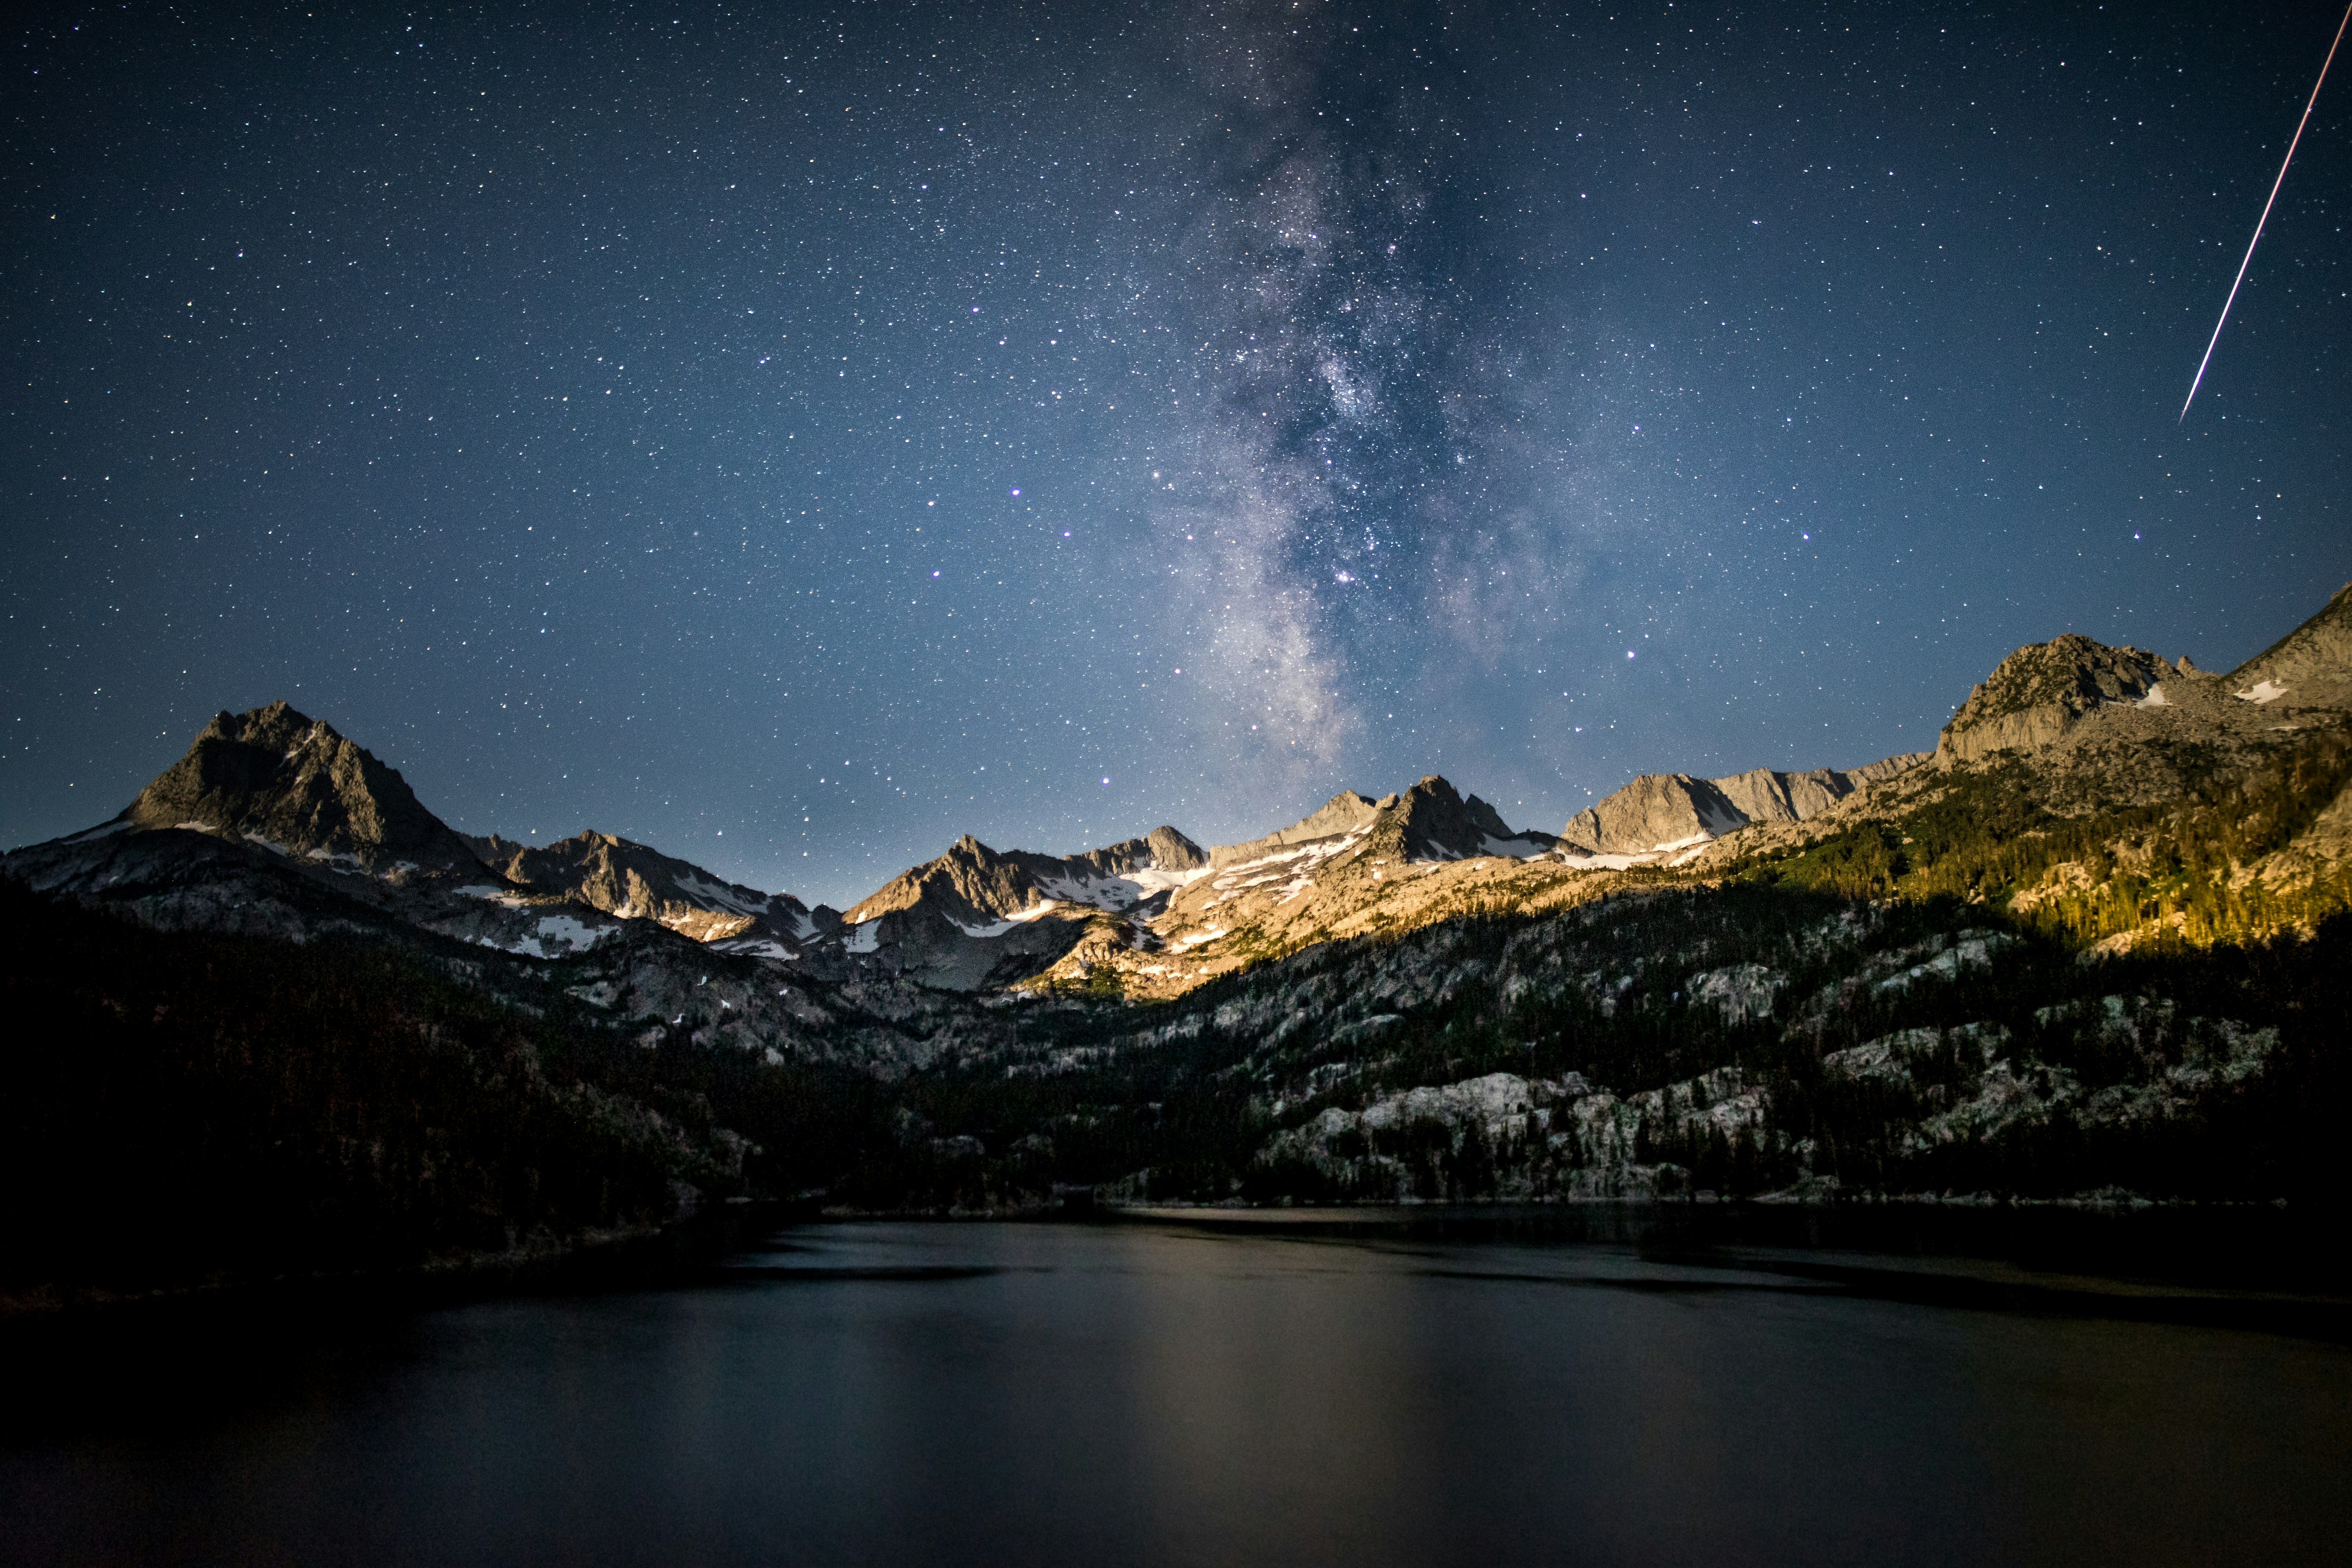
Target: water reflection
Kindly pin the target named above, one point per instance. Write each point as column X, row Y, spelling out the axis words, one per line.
column 1196, row 1393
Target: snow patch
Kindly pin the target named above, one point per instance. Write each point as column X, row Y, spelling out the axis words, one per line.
column 2155, row 697
column 1018, row 917
column 1296, row 865
column 2261, row 691
column 866, row 936
column 1116, row 893
column 1187, row 943
column 727, row 897
column 567, row 933
column 103, row 829
column 570, row 933
column 757, row 947
column 1513, row 848
column 1576, row 862
column 506, row 896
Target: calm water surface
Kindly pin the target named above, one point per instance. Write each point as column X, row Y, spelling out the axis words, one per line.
column 1196, row 1393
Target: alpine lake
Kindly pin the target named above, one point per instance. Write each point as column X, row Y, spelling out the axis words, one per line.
column 1603, row 1384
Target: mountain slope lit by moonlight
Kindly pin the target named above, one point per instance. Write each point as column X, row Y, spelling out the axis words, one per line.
column 1237, row 782
column 796, row 439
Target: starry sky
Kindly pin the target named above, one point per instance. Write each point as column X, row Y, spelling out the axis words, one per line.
column 794, row 438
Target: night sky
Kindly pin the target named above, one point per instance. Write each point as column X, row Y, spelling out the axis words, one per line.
column 795, row 438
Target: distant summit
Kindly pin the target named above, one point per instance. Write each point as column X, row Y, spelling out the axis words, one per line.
column 1662, row 815
column 974, row 885
column 2041, row 691
column 634, row 882
column 976, row 916
column 288, row 782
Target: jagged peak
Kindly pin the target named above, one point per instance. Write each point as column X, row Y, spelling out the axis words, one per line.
column 633, row 881
column 2038, row 692
column 1659, row 813
column 276, row 777
column 970, row 883
column 2071, row 671
column 1655, row 811
column 1434, row 821
column 1173, row 851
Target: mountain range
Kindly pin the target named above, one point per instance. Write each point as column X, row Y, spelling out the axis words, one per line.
column 275, row 787
column 2005, row 962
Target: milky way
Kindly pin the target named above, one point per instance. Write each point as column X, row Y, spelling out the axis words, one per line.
column 794, row 439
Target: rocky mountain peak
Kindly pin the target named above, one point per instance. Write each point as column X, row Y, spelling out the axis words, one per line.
column 2043, row 689
column 636, row 882
column 1655, row 812
column 1162, row 849
column 1433, row 821
column 275, row 778
column 1659, row 813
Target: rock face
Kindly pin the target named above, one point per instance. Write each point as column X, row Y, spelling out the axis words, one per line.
column 1343, row 814
column 1887, row 767
column 1163, row 850
column 2312, row 663
column 1656, row 811
column 276, row 778
column 1659, row 813
column 975, row 886
column 1431, row 821
column 2040, row 692
column 1763, row 796
column 634, row 882
column 977, row 917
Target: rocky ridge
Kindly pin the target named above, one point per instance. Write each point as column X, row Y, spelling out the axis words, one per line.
column 1669, row 816
column 2036, row 967
column 631, row 881
column 1157, row 914
column 2312, row 663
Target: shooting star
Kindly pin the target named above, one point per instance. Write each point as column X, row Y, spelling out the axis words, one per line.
column 2291, row 146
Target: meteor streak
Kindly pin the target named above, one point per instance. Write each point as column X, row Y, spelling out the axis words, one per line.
column 2266, row 215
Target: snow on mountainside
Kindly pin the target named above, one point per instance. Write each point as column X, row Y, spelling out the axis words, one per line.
column 976, row 916
column 634, row 882
column 2313, row 662
column 273, row 822
column 1354, row 857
